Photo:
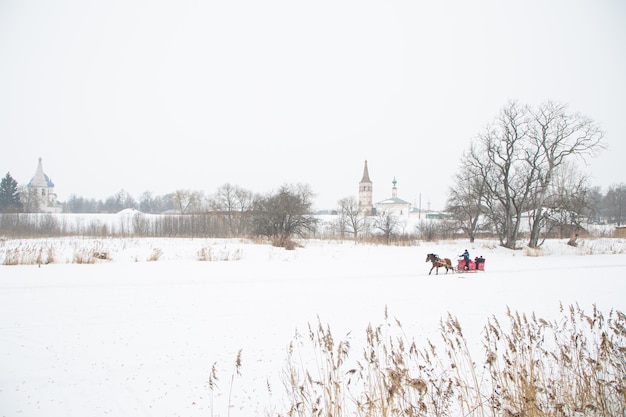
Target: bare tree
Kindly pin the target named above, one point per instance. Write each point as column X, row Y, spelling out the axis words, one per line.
column 30, row 201
column 497, row 159
column 284, row 214
column 567, row 204
column 427, row 230
column 151, row 204
column 555, row 136
column 187, row 200
column 387, row 223
column 224, row 201
column 233, row 201
column 466, row 202
column 120, row 201
column 594, row 202
column 76, row 204
column 243, row 203
column 349, row 217
column 615, row 203
column 516, row 160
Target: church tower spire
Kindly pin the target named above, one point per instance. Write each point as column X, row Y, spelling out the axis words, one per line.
column 39, row 179
column 365, row 193
column 366, row 174
column 41, row 192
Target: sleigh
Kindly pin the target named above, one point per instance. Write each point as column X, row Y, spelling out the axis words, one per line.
column 475, row 265
column 478, row 264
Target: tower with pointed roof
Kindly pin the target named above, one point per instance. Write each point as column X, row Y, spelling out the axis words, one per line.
column 365, row 193
column 41, row 192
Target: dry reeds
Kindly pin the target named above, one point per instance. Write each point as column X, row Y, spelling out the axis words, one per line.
column 29, row 254
column 155, row 254
column 573, row 366
column 209, row 254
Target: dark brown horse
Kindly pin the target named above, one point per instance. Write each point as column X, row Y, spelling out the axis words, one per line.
column 439, row 263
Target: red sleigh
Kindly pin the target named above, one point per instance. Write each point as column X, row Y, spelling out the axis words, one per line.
column 478, row 264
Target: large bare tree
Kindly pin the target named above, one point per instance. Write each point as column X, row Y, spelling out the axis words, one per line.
column 497, row 158
column 187, row 200
column 234, row 201
column 517, row 157
column 387, row 223
column 350, row 218
column 555, row 137
column 284, row 214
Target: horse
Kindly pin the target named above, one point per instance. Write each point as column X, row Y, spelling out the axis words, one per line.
column 439, row 263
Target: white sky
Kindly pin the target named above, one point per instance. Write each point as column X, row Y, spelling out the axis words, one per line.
column 159, row 95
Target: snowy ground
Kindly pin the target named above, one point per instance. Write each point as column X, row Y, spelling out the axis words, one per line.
column 128, row 337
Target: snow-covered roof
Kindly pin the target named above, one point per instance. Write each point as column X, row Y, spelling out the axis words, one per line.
column 393, row 200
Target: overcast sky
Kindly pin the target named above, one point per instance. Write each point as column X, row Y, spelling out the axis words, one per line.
column 166, row 95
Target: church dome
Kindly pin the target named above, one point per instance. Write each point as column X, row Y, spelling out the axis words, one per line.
column 40, row 179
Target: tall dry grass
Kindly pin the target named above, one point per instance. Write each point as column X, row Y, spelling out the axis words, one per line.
column 30, row 253
column 572, row 366
column 210, row 253
column 90, row 251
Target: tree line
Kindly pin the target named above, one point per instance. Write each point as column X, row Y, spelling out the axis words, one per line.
column 278, row 216
column 521, row 170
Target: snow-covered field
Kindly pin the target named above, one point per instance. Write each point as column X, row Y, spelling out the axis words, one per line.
column 132, row 337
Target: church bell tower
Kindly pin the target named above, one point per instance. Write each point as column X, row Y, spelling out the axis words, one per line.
column 365, row 193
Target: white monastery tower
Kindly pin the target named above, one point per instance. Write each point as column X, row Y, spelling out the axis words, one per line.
column 365, row 193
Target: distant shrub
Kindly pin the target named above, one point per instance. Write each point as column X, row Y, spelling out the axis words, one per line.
column 46, row 255
column 83, row 256
column 533, row 252
column 11, row 257
column 208, row 254
column 155, row 255
column 101, row 255
column 205, row 254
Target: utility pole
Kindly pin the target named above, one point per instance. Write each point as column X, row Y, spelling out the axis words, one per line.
column 420, row 212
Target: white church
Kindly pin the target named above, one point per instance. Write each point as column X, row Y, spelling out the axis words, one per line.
column 393, row 205
column 41, row 190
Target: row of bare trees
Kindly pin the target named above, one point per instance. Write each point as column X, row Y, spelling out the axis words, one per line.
column 279, row 216
column 352, row 222
column 385, row 225
column 522, row 167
